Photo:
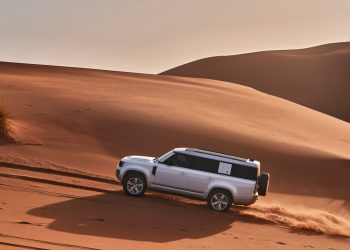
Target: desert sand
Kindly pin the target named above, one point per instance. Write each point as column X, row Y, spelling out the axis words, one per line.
column 72, row 126
column 316, row 77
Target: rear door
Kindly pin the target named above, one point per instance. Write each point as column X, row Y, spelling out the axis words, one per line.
column 200, row 172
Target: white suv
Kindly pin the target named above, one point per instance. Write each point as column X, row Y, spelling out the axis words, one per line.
column 220, row 179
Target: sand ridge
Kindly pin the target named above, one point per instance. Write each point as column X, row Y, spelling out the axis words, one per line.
column 315, row 77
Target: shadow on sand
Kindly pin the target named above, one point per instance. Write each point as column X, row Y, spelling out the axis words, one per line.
column 143, row 219
column 153, row 218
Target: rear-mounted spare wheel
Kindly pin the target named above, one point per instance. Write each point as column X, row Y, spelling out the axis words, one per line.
column 263, row 183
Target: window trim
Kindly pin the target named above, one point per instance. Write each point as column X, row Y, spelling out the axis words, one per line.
column 217, row 162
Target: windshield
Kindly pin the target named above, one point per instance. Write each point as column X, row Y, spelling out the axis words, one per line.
column 165, row 156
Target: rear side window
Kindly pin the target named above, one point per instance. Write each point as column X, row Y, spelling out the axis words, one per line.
column 203, row 164
column 224, row 168
column 244, row 172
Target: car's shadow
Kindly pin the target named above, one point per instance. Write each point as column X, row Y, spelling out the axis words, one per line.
column 143, row 219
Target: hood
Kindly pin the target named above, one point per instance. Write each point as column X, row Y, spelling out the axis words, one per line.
column 138, row 158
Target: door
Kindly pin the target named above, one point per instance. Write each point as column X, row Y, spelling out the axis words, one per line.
column 200, row 173
column 172, row 173
column 183, row 172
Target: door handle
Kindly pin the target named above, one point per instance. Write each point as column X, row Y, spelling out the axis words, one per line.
column 182, row 173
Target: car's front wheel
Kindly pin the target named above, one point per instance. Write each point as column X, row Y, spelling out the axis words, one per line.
column 220, row 200
column 134, row 184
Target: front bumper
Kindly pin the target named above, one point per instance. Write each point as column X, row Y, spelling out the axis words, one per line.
column 117, row 174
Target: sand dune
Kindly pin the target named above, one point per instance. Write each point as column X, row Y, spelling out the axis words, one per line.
column 87, row 119
column 73, row 125
column 315, row 77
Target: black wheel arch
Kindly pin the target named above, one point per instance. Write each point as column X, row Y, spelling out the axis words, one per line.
column 225, row 191
column 132, row 171
column 221, row 188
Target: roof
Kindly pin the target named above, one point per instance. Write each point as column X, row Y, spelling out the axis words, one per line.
column 207, row 152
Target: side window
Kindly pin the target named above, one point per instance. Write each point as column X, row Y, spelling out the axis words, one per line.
column 213, row 166
column 244, row 172
column 203, row 164
column 170, row 161
column 179, row 160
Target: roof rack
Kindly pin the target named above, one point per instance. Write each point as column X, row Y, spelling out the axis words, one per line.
column 216, row 154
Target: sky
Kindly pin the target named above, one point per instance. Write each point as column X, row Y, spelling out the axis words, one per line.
column 151, row 36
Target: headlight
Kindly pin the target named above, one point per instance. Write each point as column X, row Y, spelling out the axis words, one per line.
column 121, row 164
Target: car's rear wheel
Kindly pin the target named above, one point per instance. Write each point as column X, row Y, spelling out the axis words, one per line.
column 134, row 184
column 220, row 200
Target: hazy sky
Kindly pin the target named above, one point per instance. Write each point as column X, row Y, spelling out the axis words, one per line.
column 154, row 35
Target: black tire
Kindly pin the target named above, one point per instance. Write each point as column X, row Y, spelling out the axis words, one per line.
column 263, row 184
column 134, row 184
column 224, row 195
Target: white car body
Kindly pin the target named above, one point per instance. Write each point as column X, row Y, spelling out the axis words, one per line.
column 194, row 182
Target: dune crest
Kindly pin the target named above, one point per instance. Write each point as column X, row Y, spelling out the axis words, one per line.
column 315, row 77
